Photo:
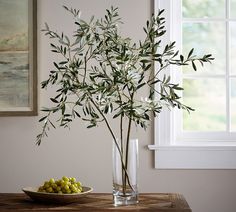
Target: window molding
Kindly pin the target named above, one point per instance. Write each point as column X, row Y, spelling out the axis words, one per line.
column 174, row 152
column 194, row 157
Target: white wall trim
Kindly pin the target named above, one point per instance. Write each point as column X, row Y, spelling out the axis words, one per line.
column 198, row 157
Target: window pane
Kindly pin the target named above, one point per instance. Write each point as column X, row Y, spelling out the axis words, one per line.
column 203, row 8
column 207, row 97
column 206, row 38
column 233, row 48
column 233, row 104
column 233, row 8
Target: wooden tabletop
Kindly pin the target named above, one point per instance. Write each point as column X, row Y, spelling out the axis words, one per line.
column 160, row 202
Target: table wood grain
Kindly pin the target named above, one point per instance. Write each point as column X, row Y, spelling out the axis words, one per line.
column 160, row 202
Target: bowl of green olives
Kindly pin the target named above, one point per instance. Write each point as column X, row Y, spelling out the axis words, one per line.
column 64, row 190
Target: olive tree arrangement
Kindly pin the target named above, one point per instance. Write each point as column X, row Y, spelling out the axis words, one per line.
column 101, row 74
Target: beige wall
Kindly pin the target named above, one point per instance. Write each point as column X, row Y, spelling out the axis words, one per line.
column 86, row 154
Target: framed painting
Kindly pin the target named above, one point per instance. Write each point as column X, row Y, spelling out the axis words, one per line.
column 18, row 57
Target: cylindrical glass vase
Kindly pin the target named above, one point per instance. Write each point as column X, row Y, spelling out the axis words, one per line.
column 125, row 167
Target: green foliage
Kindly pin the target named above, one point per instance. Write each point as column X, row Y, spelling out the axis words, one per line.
column 102, row 73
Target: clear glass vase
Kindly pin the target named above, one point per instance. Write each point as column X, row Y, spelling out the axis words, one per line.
column 125, row 167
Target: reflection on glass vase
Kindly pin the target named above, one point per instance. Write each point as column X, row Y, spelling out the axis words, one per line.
column 125, row 165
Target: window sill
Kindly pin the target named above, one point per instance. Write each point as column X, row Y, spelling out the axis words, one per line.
column 194, row 157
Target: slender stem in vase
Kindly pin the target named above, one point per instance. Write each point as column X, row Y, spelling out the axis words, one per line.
column 128, row 137
column 121, row 144
column 116, row 143
column 127, row 147
column 121, row 133
column 122, row 151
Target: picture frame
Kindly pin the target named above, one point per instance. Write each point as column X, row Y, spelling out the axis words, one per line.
column 18, row 58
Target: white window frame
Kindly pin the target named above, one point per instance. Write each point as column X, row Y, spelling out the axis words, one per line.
column 173, row 151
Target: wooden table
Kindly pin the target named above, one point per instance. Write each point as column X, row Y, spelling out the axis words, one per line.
column 160, row 202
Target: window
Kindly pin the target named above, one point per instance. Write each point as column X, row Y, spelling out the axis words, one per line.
column 207, row 137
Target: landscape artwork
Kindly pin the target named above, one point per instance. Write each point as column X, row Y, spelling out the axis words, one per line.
column 15, row 72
